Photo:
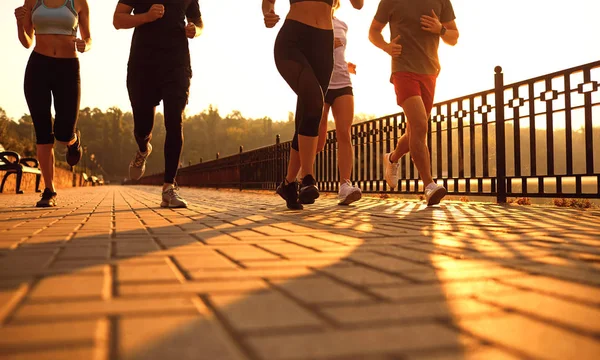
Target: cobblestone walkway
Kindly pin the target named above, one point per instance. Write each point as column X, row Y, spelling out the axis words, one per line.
column 110, row 275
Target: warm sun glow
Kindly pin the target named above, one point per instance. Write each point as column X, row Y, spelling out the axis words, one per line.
column 234, row 68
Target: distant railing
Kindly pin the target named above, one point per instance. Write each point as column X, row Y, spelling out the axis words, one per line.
column 544, row 147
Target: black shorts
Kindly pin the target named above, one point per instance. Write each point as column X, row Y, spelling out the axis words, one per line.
column 333, row 94
column 147, row 86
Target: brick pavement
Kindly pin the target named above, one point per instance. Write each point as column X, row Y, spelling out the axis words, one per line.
column 110, row 275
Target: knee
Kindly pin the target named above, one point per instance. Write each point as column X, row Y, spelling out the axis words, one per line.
column 344, row 137
column 44, row 140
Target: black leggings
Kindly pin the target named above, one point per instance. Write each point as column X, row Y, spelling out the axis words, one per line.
column 304, row 58
column 46, row 78
column 146, row 89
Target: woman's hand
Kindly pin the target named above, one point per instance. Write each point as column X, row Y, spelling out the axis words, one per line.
column 20, row 13
column 80, row 45
column 271, row 19
column 352, row 68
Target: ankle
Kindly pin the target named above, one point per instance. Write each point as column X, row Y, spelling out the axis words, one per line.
column 167, row 186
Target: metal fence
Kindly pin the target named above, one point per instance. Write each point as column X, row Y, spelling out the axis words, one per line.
column 535, row 138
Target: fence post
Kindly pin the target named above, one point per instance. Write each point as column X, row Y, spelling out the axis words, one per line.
column 277, row 160
column 240, row 167
column 500, row 137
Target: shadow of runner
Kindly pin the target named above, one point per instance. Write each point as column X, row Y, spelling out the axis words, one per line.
column 231, row 278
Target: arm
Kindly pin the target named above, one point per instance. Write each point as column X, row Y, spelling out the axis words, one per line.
column 357, row 4
column 85, row 43
column 123, row 19
column 451, row 35
column 195, row 25
column 376, row 37
column 24, row 24
column 268, row 6
column 268, row 9
column 433, row 25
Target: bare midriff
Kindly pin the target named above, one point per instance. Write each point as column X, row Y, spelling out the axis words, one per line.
column 56, row 46
column 313, row 13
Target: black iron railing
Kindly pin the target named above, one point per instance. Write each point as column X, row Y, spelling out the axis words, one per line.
column 535, row 138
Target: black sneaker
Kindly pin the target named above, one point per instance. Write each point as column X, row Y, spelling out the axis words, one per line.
column 48, row 199
column 308, row 190
column 289, row 193
column 74, row 151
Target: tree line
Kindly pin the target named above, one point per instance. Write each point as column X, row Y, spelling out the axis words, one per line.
column 109, row 143
column 108, row 139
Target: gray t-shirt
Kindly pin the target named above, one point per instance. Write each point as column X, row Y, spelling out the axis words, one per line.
column 419, row 47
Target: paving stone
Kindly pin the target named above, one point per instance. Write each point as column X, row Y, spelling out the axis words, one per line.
column 346, row 343
column 446, row 309
column 534, row 338
column 174, row 337
column 321, row 290
column 116, row 276
column 578, row 316
column 265, row 310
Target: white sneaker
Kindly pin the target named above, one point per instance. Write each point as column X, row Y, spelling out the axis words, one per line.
column 137, row 167
column 434, row 193
column 348, row 193
column 390, row 171
column 171, row 198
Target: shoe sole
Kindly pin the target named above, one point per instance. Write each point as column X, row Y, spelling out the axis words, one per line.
column 308, row 196
column 437, row 196
column 352, row 197
column 45, row 206
column 300, row 207
column 166, row 205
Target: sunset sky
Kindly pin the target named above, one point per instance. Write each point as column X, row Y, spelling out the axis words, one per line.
column 234, row 68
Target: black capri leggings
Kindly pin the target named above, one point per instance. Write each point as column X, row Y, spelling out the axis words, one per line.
column 46, row 78
column 304, row 58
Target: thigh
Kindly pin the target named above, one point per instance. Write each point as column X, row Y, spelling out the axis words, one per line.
column 175, row 91
column 428, row 91
column 67, row 94
column 39, row 99
column 416, row 115
column 405, row 86
column 343, row 113
column 143, row 86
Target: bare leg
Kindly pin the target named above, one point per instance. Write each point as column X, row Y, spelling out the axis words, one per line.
column 418, row 120
column 45, row 153
column 343, row 113
column 402, row 148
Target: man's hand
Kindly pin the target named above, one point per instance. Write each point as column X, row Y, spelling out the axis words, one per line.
column 394, row 48
column 431, row 24
column 156, row 12
column 191, row 30
column 20, row 14
column 352, row 68
column 80, row 45
column 271, row 19
column 337, row 43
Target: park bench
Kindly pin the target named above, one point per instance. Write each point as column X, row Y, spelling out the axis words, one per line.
column 12, row 163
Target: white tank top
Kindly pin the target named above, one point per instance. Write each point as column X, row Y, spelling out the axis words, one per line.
column 340, row 77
